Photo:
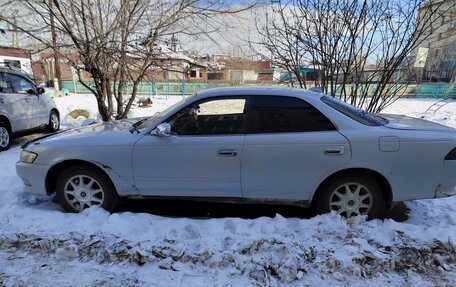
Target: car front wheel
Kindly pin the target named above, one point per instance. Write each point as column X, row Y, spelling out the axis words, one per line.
column 351, row 195
column 5, row 137
column 54, row 122
column 80, row 187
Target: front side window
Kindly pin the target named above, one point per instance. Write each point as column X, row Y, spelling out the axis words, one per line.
column 5, row 86
column 211, row 117
column 280, row 114
column 21, row 85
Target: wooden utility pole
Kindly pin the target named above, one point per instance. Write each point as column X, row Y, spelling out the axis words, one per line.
column 173, row 43
column 54, row 47
column 15, row 41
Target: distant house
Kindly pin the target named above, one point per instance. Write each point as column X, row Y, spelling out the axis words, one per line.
column 239, row 71
column 170, row 66
column 176, row 66
column 44, row 67
column 16, row 57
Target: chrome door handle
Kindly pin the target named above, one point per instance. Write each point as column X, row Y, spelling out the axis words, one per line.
column 334, row 150
column 227, row 152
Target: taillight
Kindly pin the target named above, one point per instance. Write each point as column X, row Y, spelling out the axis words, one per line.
column 451, row 155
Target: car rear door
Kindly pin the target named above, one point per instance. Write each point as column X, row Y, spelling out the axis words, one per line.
column 202, row 157
column 38, row 109
column 289, row 147
column 15, row 104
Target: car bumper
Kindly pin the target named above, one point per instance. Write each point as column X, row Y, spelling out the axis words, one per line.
column 447, row 185
column 33, row 176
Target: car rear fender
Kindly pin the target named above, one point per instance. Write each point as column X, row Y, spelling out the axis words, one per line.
column 361, row 171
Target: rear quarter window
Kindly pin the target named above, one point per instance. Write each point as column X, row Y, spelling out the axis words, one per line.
column 353, row 112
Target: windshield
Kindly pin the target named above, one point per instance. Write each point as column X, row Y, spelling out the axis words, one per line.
column 353, row 112
column 143, row 123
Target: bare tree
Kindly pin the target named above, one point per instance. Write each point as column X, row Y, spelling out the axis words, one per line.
column 115, row 42
column 359, row 49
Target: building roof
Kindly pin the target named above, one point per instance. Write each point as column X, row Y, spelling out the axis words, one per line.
column 168, row 54
column 14, row 52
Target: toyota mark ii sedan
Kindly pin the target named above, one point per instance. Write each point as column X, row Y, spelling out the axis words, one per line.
column 248, row 145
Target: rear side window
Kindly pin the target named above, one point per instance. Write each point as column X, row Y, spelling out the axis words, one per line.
column 5, row 86
column 277, row 114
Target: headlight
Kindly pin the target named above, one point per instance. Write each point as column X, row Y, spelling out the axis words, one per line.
column 28, row 156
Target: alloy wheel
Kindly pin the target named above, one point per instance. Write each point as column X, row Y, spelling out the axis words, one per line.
column 4, row 137
column 54, row 121
column 351, row 199
column 83, row 191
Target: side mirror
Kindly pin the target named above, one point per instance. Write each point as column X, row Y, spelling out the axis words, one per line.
column 163, row 130
column 40, row 90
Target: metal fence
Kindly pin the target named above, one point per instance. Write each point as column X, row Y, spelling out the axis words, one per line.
column 150, row 89
column 168, row 88
column 431, row 91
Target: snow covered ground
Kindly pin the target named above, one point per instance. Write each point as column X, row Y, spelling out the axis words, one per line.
column 42, row 246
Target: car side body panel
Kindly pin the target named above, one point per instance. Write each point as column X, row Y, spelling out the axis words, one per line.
column 287, row 166
column 188, row 165
column 41, row 108
column 17, row 110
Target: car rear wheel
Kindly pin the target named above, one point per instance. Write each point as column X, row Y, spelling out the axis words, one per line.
column 54, row 122
column 351, row 195
column 5, row 137
column 80, row 187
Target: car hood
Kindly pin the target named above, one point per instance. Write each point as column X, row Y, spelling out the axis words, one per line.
column 110, row 133
column 402, row 122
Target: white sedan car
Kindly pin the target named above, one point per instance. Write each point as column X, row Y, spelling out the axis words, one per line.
column 249, row 144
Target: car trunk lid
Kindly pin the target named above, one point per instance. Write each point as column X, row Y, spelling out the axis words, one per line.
column 402, row 122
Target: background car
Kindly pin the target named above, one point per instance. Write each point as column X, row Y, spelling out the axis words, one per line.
column 23, row 106
column 250, row 144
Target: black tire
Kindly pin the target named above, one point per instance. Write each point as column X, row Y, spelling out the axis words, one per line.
column 108, row 193
column 52, row 126
column 328, row 200
column 5, row 136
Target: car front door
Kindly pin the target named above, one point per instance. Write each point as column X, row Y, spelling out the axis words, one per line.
column 201, row 157
column 38, row 109
column 288, row 147
column 15, row 104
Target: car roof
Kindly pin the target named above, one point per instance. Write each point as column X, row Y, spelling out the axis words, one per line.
column 258, row 91
column 15, row 71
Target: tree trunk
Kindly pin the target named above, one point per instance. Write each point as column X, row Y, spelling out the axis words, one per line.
column 132, row 98
column 101, row 95
column 109, row 96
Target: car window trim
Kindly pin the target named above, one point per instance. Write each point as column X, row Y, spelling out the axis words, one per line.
column 246, row 109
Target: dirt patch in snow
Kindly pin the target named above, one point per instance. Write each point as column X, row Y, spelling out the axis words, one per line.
column 264, row 262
